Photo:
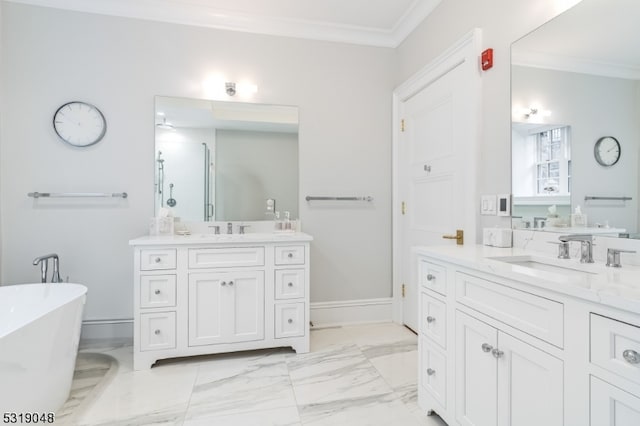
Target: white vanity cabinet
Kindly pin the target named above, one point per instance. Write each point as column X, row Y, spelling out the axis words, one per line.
column 498, row 348
column 198, row 295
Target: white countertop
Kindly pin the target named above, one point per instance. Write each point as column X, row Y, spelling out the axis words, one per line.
column 615, row 287
column 221, row 239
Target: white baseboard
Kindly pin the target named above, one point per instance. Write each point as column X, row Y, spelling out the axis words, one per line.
column 324, row 314
column 107, row 330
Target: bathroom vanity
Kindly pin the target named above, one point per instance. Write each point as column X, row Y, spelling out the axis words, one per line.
column 205, row 293
column 511, row 337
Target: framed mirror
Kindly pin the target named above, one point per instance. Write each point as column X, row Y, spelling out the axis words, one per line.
column 223, row 161
column 574, row 81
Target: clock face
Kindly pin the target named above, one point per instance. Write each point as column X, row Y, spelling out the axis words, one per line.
column 607, row 151
column 79, row 124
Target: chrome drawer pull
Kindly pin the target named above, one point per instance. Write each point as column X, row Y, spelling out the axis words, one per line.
column 430, row 319
column 631, row 356
column 231, row 283
column 290, row 255
column 290, row 284
column 156, row 332
column 290, row 321
column 157, row 291
column 487, row 347
column 497, row 353
column 157, row 260
column 223, row 283
column 431, row 371
column 431, row 277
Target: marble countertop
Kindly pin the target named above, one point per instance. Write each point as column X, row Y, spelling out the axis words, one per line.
column 222, row 239
column 615, row 287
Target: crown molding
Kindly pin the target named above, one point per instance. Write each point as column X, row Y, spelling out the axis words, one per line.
column 204, row 16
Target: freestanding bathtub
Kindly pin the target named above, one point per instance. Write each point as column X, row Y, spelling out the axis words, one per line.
column 39, row 335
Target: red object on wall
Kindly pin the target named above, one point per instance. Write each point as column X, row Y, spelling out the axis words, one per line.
column 487, row 59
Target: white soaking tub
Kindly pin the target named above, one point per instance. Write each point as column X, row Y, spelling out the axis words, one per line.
column 39, row 336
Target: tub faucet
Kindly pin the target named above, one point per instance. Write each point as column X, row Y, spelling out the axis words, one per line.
column 44, row 265
column 586, row 248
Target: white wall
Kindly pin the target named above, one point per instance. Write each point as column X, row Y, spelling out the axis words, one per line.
column 344, row 97
column 502, row 22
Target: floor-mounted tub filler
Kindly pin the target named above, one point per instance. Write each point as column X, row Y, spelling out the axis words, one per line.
column 39, row 336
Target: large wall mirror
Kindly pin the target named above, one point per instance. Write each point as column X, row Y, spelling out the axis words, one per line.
column 222, row 161
column 576, row 80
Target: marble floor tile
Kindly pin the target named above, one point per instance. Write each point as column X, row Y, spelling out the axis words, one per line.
column 335, row 373
column 322, row 338
column 376, row 334
column 398, row 369
column 159, row 392
column 277, row 417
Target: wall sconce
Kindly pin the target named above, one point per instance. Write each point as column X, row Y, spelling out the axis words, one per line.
column 535, row 112
column 230, row 88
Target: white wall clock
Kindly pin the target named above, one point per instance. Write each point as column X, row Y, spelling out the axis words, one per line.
column 79, row 124
column 607, row 151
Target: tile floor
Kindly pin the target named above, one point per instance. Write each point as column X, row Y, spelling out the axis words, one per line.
column 356, row 375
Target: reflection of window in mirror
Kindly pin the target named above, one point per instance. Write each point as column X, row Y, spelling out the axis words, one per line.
column 553, row 167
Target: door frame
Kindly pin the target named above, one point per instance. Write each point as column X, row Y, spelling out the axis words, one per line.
column 465, row 50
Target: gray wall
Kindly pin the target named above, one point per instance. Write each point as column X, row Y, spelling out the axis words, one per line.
column 51, row 56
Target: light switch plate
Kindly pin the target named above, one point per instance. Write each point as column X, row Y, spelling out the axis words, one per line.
column 488, row 205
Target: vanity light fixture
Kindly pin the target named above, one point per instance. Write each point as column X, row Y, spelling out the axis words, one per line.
column 535, row 112
column 165, row 125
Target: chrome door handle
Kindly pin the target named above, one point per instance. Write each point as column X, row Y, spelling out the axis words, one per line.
column 487, row 347
column 157, row 291
column 223, row 283
column 430, row 371
column 497, row 353
column 431, row 277
column 631, row 356
column 231, row 283
column 430, row 319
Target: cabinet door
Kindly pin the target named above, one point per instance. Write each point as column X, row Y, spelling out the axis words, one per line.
column 611, row 406
column 476, row 372
column 246, row 299
column 208, row 308
column 530, row 385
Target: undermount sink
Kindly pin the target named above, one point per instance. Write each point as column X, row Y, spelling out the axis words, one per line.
column 558, row 267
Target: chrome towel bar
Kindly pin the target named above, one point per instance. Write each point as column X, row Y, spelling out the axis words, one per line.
column 588, row 197
column 311, row 198
column 77, row 194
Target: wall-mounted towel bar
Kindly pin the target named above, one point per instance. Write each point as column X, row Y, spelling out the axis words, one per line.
column 311, row 198
column 77, row 194
column 589, row 197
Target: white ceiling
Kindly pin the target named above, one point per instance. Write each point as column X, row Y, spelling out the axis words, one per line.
column 384, row 23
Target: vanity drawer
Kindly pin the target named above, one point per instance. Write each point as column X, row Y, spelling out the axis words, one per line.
column 615, row 346
column 433, row 319
column 535, row 315
column 151, row 260
column 157, row 331
column 289, row 320
column 289, row 255
column 432, row 276
column 226, row 257
column 289, row 283
column 433, row 371
column 157, row 291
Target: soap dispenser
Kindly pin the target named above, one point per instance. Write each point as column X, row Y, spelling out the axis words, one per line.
column 578, row 219
column 287, row 221
column 278, row 222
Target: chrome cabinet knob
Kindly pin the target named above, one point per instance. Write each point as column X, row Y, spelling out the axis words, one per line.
column 431, row 277
column 157, row 260
column 497, row 353
column 231, row 283
column 487, row 347
column 156, row 332
column 290, row 321
column 430, row 319
column 157, row 291
column 290, row 255
column 631, row 356
column 223, row 283
column 430, row 371
column 290, row 285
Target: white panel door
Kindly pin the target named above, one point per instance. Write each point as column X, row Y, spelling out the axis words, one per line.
column 476, row 372
column 208, row 308
column 246, row 290
column 611, row 406
column 530, row 385
column 433, row 172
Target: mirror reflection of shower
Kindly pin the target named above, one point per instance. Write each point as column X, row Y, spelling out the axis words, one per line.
column 160, row 179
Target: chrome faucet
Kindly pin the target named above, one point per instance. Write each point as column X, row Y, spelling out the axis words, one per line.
column 229, row 228
column 586, row 247
column 44, row 265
